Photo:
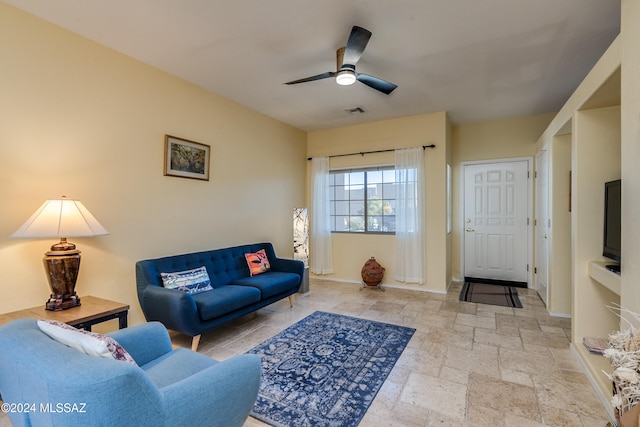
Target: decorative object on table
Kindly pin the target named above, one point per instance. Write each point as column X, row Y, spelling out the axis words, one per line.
column 301, row 243
column 493, row 294
column 326, row 369
column 61, row 218
column 186, row 159
column 624, row 354
column 372, row 273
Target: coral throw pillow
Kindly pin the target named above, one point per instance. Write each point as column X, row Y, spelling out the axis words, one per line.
column 258, row 262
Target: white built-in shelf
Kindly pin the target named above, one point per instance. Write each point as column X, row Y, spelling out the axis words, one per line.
column 599, row 272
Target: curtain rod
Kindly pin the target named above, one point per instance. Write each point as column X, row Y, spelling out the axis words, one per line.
column 362, row 153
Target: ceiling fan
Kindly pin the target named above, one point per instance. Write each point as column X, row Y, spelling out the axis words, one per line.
column 347, row 58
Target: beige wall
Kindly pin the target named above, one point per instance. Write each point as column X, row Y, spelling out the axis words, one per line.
column 498, row 139
column 82, row 120
column 351, row 251
column 630, row 295
column 559, row 276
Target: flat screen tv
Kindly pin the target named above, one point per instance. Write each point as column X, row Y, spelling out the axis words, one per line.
column 612, row 222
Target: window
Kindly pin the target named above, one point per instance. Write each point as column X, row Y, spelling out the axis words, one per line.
column 363, row 200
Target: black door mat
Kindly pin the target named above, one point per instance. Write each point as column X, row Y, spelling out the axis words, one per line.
column 495, row 282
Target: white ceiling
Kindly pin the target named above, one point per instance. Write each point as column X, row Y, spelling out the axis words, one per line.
column 476, row 59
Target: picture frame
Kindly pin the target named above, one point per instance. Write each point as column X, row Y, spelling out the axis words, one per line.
column 186, row 159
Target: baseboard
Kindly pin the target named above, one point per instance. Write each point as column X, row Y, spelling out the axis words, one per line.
column 606, row 403
column 386, row 285
column 563, row 315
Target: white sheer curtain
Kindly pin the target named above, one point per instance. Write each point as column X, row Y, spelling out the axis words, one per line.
column 410, row 215
column 321, row 257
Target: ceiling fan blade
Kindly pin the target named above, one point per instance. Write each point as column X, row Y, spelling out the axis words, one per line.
column 358, row 40
column 313, row 78
column 377, row 83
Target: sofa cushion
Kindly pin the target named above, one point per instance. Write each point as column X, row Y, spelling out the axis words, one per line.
column 224, row 299
column 190, row 281
column 271, row 283
column 258, row 262
column 87, row 342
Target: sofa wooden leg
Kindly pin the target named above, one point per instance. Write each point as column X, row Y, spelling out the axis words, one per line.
column 194, row 343
column 290, row 300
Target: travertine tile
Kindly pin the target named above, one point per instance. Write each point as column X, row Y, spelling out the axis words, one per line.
column 484, row 336
column 517, row 322
column 477, row 321
column 485, row 417
column 436, row 394
column 530, row 363
column 560, row 418
column 517, row 377
column 482, row 359
column 448, row 336
column 541, row 338
column 454, row 375
column 467, row 364
column 504, row 396
column 568, row 396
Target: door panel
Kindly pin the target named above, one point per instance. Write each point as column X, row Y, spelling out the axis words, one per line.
column 496, row 231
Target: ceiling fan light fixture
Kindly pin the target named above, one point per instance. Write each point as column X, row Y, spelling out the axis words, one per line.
column 346, row 77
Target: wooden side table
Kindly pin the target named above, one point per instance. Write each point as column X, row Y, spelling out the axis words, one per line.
column 92, row 310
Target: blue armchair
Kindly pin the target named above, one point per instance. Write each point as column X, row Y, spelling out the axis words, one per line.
column 45, row 383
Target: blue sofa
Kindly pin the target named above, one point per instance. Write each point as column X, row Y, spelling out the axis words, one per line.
column 46, row 383
column 235, row 292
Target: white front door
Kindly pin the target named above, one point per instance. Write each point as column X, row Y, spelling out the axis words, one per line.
column 496, row 205
column 542, row 225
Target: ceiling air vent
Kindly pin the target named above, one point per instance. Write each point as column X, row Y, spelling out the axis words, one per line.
column 354, row 110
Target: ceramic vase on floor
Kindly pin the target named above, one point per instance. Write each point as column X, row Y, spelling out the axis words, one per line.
column 372, row 272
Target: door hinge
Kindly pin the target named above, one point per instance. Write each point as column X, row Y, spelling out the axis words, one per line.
column 535, row 270
column 535, row 222
column 527, row 267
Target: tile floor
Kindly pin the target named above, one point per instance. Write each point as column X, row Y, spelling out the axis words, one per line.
column 467, row 364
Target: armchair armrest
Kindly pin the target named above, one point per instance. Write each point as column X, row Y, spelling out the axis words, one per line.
column 144, row 342
column 227, row 404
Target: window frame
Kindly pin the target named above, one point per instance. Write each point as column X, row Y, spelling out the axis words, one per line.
column 365, row 170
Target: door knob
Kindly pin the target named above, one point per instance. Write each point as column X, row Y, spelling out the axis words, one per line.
column 469, row 230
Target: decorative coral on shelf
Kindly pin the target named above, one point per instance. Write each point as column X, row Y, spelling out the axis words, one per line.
column 624, row 354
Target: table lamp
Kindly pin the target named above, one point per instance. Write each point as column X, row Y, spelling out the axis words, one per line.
column 61, row 218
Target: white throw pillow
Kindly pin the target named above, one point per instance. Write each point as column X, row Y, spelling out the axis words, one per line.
column 190, row 281
column 87, row 342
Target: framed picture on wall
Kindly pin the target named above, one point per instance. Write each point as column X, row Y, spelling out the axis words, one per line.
column 186, row 159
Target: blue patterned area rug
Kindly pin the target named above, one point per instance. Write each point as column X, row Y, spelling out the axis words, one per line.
column 326, row 370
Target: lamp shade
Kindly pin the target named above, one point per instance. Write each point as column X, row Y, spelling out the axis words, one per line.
column 61, row 218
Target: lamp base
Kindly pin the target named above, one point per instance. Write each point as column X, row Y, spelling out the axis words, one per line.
column 62, row 302
column 62, row 267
